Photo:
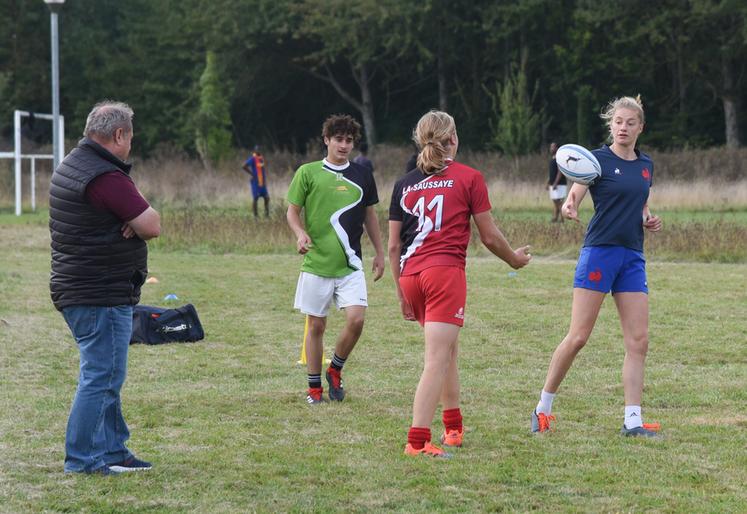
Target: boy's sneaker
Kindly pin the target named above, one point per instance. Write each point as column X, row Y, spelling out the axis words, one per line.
column 428, row 450
column 336, row 391
column 452, row 438
column 542, row 422
column 314, row 396
column 644, row 431
column 130, row 464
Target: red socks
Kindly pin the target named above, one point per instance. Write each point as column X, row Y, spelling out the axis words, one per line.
column 452, row 419
column 418, row 436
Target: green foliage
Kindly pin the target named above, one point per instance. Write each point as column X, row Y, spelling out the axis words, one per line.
column 286, row 64
column 352, row 39
column 213, row 122
column 5, row 97
column 517, row 129
column 583, row 116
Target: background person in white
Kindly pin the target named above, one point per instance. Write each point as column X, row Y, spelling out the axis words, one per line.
column 556, row 184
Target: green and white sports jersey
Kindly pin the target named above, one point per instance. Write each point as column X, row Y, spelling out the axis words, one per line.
column 334, row 199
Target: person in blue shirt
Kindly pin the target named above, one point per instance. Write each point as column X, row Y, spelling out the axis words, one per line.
column 611, row 260
column 256, row 167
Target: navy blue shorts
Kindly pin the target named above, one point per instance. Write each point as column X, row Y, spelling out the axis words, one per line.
column 258, row 191
column 611, row 268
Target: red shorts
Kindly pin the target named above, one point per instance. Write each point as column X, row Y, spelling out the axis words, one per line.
column 436, row 294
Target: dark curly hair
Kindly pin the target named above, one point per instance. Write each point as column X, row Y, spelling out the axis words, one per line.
column 341, row 124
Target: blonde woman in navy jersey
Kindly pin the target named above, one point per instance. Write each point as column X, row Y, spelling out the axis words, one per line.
column 429, row 230
column 611, row 260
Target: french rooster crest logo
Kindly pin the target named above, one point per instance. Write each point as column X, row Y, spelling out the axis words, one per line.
column 596, row 275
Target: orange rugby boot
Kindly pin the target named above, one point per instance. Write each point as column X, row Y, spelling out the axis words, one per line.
column 452, row 438
column 428, row 450
column 542, row 422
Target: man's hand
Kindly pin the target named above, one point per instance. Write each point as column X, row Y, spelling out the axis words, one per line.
column 127, row 231
column 378, row 267
column 303, row 243
column 521, row 257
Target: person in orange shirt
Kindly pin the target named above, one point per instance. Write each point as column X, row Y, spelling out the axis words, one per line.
column 256, row 167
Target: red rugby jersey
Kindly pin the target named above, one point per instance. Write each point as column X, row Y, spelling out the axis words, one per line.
column 435, row 213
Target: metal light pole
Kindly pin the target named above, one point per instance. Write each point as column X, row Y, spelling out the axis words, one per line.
column 54, row 8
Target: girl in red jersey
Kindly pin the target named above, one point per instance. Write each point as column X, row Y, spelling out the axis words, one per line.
column 429, row 229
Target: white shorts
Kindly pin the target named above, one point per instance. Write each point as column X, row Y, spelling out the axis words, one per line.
column 314, row 294
column 558, row 193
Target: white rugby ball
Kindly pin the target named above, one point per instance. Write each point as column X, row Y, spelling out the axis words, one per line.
column 578, row 164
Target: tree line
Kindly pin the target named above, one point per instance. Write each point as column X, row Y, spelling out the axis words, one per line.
column 207, row 76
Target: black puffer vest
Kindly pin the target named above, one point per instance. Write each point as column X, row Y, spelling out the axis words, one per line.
column 92, row 263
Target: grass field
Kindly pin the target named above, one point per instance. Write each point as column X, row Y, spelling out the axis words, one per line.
column 226, row 426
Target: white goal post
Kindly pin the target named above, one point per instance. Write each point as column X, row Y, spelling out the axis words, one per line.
column 18, row 155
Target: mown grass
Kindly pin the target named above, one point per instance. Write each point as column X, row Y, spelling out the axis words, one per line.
column 225, row 423
column 704, row 236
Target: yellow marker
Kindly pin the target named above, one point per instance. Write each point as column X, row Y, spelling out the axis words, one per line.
column 302, row 361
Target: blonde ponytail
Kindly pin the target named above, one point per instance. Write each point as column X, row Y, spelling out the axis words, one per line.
column 432, row 135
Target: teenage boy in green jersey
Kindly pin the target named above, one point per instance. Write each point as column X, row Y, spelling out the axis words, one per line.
column 338, row 198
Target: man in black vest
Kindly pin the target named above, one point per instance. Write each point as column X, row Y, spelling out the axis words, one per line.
column 99, row 222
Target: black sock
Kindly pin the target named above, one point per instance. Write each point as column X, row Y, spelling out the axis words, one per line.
column 315, row 381
column 337, row 362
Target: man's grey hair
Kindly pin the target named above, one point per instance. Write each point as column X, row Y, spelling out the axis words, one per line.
column 108, row 116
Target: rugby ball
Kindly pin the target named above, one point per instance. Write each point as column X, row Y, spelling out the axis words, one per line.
column 578, row 164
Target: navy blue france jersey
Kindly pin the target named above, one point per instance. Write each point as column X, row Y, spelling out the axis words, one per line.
column 619, row 196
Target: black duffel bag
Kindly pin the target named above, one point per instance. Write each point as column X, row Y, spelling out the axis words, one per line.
column 154, row 325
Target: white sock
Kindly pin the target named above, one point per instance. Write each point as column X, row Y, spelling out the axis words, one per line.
column 545, row 404
column 633, row 417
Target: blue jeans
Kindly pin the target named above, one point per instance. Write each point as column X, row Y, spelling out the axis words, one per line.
column 96, row 431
